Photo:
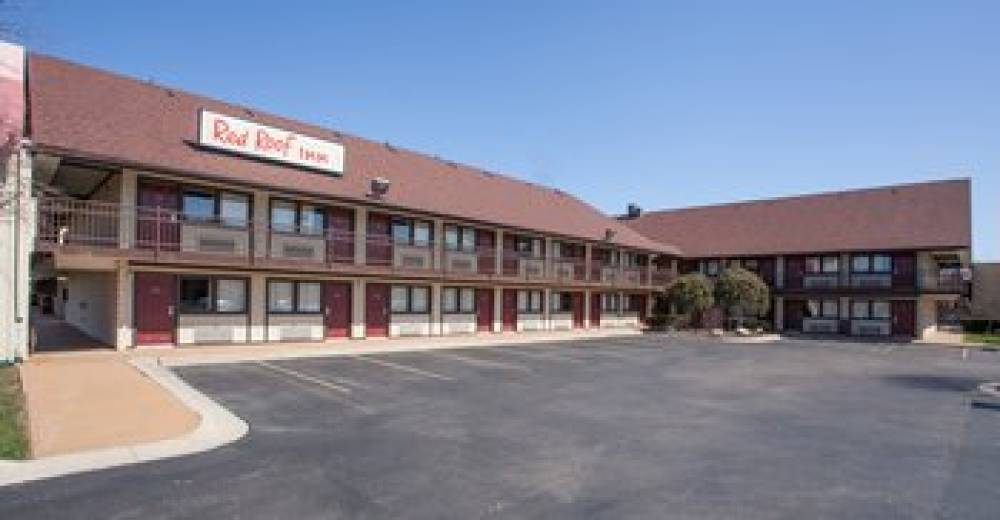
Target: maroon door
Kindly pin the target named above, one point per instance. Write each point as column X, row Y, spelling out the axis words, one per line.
column 595, row 310
column 903, row 272
column 795, row 269
column 577, row 301
column 337, row 309
column 510, row 259
column 340, row 244
column 903, row 317
column 509, row 309
column 793, row 315
column 155, row 308
column 640, row 300
column 765, row 268
column 379, row 245
column 157, row 226
column 487, row 258
column 484, row 310
column 376, row 310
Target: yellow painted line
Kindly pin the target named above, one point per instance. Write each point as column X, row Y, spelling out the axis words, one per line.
column 305, row 377
column 477, row 361
column 404, row 368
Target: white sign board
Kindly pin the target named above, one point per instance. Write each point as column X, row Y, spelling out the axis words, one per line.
column 248, row 138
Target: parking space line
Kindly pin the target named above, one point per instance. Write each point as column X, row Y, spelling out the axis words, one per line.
column 538, row 355
column 404, row 368
column 477, row 361
column 305, row 377
column 603, row 351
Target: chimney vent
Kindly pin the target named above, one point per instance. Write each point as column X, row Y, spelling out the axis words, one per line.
column 633, row 210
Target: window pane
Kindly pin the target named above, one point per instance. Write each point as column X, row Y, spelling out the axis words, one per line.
column 861, row 264
column 311, row 220
column 399, row 299
column 231, row 295
column 198, row 205
column 750, row 265
column 522, row 301
column 451, row 238
column 309, row 297
column 859, row 309
column 419, row 299
column 813, row 309
column 279, row 297
column 282, row 216
column 882, row 264
column 468, row 240
column 536, row 301
column 831, row 309
column 881, row 310
column 195, row 295
column 421, row 233
column 234, row 209
column 449, row 299
column 813, row 264
column 831, row 264
column 468, row 300
column 401, row 231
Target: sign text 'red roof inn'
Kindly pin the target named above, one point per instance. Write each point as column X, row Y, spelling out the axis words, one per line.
column 248, row 138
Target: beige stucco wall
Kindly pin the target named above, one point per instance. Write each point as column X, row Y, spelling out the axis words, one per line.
column 986, row 291
column 458, row 324
column 526, row 322
column 295, row 327
column 409, row 325
column 91, row 303
column 212, row 328
column 561, row 321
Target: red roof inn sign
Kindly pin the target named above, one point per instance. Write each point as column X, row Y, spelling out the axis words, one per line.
column 248, row 138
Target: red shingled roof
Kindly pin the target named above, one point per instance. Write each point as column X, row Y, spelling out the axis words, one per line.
column 909, row 216
column 91, row 113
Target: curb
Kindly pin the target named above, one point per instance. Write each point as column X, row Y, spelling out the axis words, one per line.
column 218, row 426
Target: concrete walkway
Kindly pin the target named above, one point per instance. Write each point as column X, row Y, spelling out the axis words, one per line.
column 52, row 334
column 90, row 400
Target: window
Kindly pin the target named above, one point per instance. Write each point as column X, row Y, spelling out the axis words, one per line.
column 312, row 220
column 633, row 303
column 283, row 216
column 712, row 267
column 458, row 300
column 751, row 264
column 610, row 302
column 562, row 302
column 407, row 231
column 458, row 238
column 871, row 264
column 234, row 209
column 198, row 206
column 231, row 296
column 871, row 310
column 527, row 246
column 195, row 295
column 205, row 294
column 529, row 302
column 408, row 299
column 823, row 309
column 288, row 296
column 823, row 264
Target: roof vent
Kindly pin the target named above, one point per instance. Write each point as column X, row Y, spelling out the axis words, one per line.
column 379, row 187
column 633, row 210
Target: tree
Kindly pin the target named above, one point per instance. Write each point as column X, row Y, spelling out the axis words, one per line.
column 691, row 294
column 742, row 293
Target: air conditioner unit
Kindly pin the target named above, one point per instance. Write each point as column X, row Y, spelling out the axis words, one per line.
column 216, row 245
column 298, row 251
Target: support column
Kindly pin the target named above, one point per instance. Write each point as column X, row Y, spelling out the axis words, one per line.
column 779, row 314
column 498, row 253
column 358, row 302
column 549, row 261
column 261, row 225
column 498, row 309
column 845, row 270
column 258, row 308
column 779, row 272
column 586, row 304
column 438, row 245
column 17, row 238
column 124, row 337
column 360, row 240
column 649, row 269
column 547, row 308
column 588, row 253
column 127, row 215
column 436, row 315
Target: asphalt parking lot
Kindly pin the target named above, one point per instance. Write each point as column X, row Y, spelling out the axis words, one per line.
column 639, row 427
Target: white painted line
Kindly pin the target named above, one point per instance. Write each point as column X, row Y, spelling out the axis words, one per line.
column 538, row 355
column 477, row 361
column 404, row 368
column 304, row 377
column 217, row 427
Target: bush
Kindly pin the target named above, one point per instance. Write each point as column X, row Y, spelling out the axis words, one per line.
column 741, row 293
column 691, row 294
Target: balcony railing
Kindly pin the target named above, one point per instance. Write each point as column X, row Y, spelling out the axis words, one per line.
column 952, row 280
column 170, row 236
column 662, row 278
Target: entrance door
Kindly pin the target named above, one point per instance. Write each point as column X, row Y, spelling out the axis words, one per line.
column 379, row 246
column 155, row 308
column 577, row 302
column 337, row 309
column 376, row 310
column 157, row 226
column 903, row 317
column 595, row 310
column 640, row 301
column 903, row 273
column 484, row 310
column 510, row 309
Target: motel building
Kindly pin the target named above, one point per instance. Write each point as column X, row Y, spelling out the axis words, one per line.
column 138, row 215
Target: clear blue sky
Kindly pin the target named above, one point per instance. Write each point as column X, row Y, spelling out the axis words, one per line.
column 663, row 103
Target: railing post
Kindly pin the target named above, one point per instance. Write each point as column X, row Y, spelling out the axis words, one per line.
column 157, row 238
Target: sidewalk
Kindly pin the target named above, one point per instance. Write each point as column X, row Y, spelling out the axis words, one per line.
column 90, row 400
